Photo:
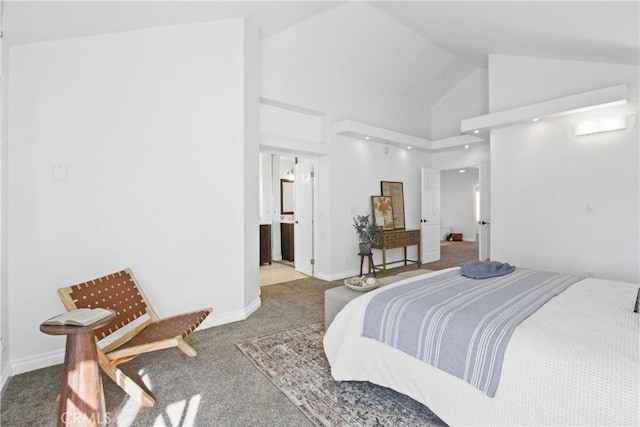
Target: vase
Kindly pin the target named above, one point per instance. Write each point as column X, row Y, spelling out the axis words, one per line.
column 365, row 248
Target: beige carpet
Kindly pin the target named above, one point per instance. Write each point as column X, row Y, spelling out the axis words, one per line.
column 192, row 391
column 452, row 254
column 219, row 387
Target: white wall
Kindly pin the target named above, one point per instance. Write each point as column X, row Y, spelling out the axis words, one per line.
column 158, row 132
column 296, row 72
column 286, row 123
column 4, row 288
column 357, row 167
column 266, row 191
column 456, row 159
column 457, row 195
column 543, row 179
column 352, row 171
column 469, row 98
column 250, row 142
column 533, row 80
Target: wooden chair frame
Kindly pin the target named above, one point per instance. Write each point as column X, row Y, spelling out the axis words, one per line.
column 120, row 292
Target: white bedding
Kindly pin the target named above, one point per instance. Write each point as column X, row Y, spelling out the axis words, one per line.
column 576, row 361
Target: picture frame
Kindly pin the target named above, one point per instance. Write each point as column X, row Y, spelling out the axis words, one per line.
column 396, row 192
column 286, row 196
column 382, row 208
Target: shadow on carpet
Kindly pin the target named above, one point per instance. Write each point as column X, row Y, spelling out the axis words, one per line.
column 294, row 361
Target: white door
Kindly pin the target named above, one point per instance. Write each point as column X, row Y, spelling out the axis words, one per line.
column 485, row 211
column 303, row 214
column 430, row 216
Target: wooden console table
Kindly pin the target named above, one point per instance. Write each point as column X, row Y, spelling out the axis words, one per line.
column 397, row 239
column 81, row 397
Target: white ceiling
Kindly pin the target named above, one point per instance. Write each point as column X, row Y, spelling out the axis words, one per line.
column 419, row 49
column 30, row 21
column 599, row 31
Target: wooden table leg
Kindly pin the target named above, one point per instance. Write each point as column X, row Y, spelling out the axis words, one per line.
column 371, row 266
column 361, row 262
column 81, row 398
column 384, row 262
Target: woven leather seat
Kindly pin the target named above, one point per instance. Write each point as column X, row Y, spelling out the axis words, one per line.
column 120, row 292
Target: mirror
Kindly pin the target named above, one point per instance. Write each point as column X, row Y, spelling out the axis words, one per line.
column 286, row 197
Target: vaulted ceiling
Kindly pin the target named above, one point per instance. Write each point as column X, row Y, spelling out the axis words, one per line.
column 419, row 49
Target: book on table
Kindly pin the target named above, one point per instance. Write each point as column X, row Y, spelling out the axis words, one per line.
column 79, row 317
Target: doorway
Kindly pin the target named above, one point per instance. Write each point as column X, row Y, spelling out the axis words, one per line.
column 286, row 206
column 458, row 217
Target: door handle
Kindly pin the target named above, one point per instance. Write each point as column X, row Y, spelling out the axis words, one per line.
column 295, row 222
column 483, row 223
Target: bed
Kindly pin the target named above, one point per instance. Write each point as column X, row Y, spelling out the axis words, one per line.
column 574, row 361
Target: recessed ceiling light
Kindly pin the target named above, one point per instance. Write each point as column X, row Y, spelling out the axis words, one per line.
column 476, row 131
column 536, row 119
column 462, row 170
column 366, row 137
column 408, row 147
column 466, row 147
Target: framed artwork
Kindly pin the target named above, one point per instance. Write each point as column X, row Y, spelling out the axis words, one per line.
column 395, row 191
column 382, row 212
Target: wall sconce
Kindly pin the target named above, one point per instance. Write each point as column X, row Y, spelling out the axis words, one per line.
column 607, row 124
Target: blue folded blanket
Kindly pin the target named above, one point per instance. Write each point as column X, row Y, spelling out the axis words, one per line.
column 485, row 269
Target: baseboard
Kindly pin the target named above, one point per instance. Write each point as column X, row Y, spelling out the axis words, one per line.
column 56, row 357
column 338, row 276
column 322, row 276
column 4, row 377
column 39, row 361
column 235, row 316
column 352, row 273
column 335, row 276
column 252, row 307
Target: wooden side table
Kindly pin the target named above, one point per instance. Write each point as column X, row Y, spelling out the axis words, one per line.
column 371, row 267
column 397, row 239
column 81, row 397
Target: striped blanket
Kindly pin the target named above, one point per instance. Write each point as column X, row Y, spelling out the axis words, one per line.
column 461, row 325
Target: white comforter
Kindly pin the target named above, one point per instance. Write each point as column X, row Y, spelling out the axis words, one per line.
column 576, row 361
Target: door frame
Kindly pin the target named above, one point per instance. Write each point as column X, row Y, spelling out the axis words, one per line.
column 484, row 235
column 299, row 155
column 429, row 250
column 301, row 265
column 486, row 198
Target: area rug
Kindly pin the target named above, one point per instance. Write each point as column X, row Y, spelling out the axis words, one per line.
column 295, row 362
